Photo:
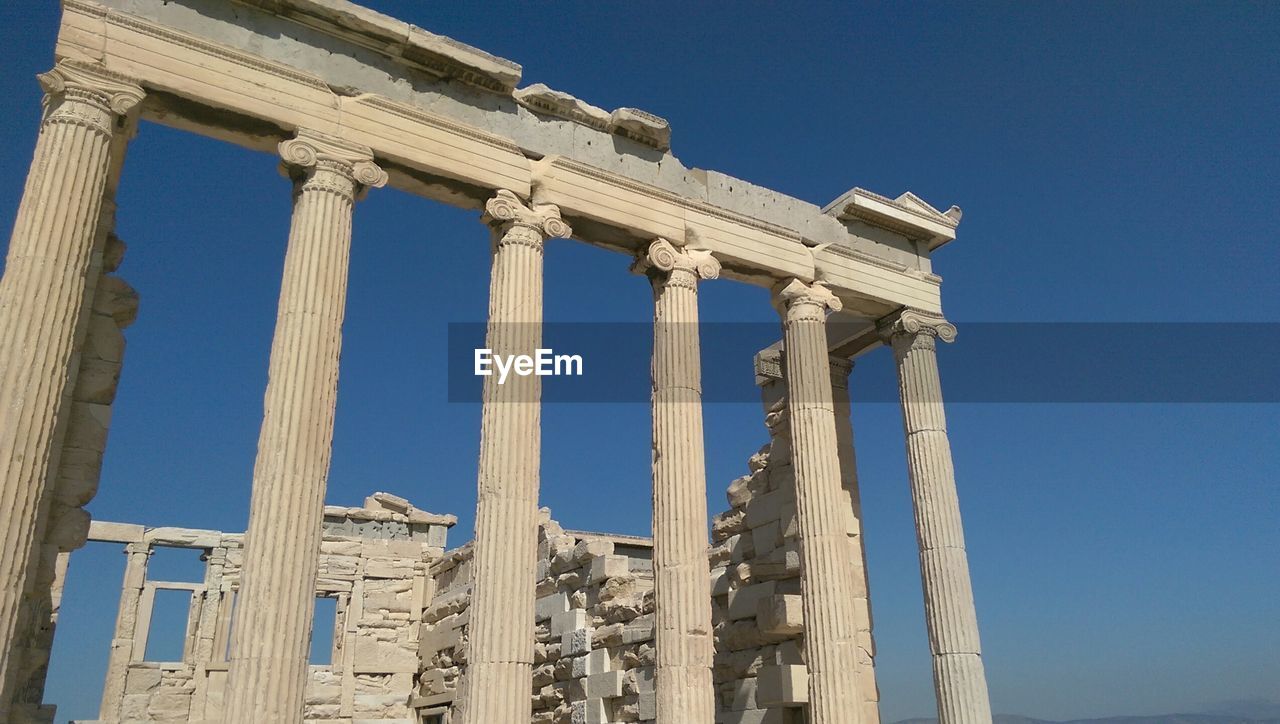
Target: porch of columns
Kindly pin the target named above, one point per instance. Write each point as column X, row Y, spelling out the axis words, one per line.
column 822, row 508
column 275, row 607
column 500, row 655
column 54, row 255
column 959, row 679
column 682, row 589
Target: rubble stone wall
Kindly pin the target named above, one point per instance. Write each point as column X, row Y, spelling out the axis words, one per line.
column 759, row 671
column 593, row 649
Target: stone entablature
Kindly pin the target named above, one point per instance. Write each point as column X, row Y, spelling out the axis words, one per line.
column 344, row 70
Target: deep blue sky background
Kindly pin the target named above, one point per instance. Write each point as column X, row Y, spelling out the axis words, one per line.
column 1115, row 162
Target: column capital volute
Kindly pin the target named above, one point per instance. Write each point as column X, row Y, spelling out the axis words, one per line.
column 106, row 91
column 506, row 212
column 308, row 152
column 915, row 323
column 798, row 298
column 664, row 258
column 142, row 547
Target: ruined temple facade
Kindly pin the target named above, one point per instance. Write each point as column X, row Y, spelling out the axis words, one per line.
column 767, row 621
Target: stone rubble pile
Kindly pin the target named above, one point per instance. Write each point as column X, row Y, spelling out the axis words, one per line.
column 593, row 651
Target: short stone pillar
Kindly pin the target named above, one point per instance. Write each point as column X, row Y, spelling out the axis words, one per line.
column 53, row 254
column 822, row 508
column 497, row 686
column 135, row 575
column 275, row 607
column 958, row 676
column 682, row 589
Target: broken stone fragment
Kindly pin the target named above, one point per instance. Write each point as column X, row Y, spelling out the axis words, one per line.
column 462, row 61
column 641, row 127
column 116, row 298
column 113, row 253
column 541, row 99
column 387, row 501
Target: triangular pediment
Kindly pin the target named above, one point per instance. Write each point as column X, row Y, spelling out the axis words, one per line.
column 911, row 201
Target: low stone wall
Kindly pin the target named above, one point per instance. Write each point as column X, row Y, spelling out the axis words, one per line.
column 593, row 645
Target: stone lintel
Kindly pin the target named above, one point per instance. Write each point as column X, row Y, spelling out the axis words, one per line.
column 108, row 532
column 629, row 540
column 413, row 515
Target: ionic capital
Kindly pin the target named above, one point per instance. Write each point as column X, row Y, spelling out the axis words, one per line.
column 915, row 324
column 681, row 266
column 516, row 222
column 801, row 301
column 326, row 163
column 138, row 547
column 87, row 95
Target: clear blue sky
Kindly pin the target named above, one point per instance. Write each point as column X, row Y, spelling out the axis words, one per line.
column 1115, row 162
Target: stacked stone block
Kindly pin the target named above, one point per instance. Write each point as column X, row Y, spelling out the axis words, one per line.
column 593, row 649
column 760, row 672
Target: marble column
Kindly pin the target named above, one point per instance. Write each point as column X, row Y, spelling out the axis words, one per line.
column 958, row 676
column 135, row 575
column 822, row 507
column 865, row 651
column 275, row 606
column 498, row 681
column 682, row 589
column 53, row 253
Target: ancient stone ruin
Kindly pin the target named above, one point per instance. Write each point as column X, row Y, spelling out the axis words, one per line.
column 769, row 621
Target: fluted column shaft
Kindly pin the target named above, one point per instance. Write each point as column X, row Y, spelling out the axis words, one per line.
column 822, row 508
column 959, row 678
column 865, row 651
column 682, row 589
column 135, row 575
column 498, row 680
column 274, row 611
column 43, row 293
